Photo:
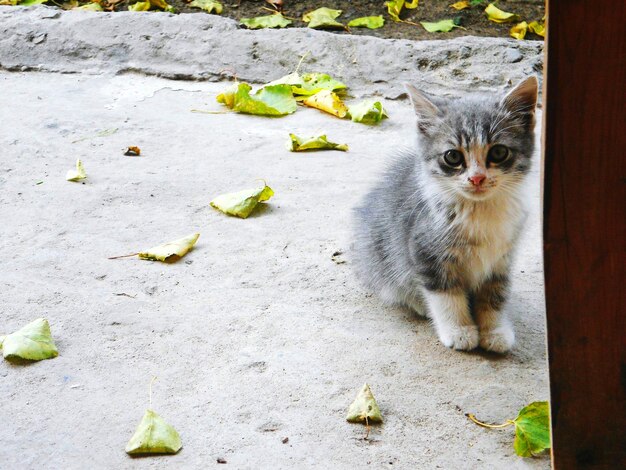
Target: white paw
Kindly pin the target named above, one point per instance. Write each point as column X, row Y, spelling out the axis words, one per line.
column 498, row 340
column 464, row 338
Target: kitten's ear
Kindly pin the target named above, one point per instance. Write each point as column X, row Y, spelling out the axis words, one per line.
column 523, row 98
column 425, row 109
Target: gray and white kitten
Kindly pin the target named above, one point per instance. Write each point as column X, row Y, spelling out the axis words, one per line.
column 437, row 232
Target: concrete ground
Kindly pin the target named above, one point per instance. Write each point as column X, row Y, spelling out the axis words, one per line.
column 257, row 334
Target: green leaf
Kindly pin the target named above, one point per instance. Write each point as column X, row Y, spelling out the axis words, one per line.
column 271, row 100
column 368, row 112
column 28, row 3
column 77, row 174
column 498, row 16
column 152, row 5
column 154, row 436
column 210, row 6
column 309, row 83
column 242, row 203
column 300, row 144
column 443, row 26
column 270, row 21
column 171, row 251
column 322, row 18
column 364, row 408
column 33, row 342
column 532, row 429
column 394, row 7
column 371, row 22
column 93, row 6
column 328, row 101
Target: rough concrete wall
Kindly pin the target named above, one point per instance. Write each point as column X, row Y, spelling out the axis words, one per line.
column 204, row 47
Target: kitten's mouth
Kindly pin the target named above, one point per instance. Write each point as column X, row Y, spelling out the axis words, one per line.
column 478, row 192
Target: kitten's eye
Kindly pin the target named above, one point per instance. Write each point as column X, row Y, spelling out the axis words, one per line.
column 498, row 153
column 453, row 158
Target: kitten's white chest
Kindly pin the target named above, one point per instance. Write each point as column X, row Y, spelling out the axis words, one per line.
column 490, row 229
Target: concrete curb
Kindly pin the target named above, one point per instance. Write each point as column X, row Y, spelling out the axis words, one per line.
column 208, row 47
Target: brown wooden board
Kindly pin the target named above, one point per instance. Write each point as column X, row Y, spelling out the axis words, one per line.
column 585, row 231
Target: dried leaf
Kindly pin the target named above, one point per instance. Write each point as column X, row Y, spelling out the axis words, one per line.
column 77, row 174
column 368, row 112
column 154, row 436
column 443, row 26
column 132, row 151
column 270, row 21
column 171, row 251
column 327, row 101
column 322, row 18
column 271, row 100
column 519, row 30
column 532, row 429
column 320, row 142
column 537, row 28
column 498, row 16
column 364, row 408
column 210, row 6
column 242, row 203
column 371, row 22
column 394, row 8
column 460, row 5
column 33, row 342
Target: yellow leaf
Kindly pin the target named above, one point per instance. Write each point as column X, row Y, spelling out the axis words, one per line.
column 498, row 16
column 171, row 251
column 364, row 408
column 394, row 8
column 33, row 342
column 328, row 101
column 519, row 30
column 77, row 174
column 242, row 203
column 320, row 142
column 537, row 28
column 460, row 5
column 154, row 436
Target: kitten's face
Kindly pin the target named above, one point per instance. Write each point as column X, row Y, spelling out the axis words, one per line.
column 477, row 147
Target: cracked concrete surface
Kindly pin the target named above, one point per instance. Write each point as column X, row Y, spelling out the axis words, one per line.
column 257, row 334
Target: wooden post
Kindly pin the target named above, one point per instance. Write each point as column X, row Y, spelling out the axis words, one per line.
column 585, row 231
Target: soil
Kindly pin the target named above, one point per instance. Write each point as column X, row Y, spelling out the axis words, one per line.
column 473, row 20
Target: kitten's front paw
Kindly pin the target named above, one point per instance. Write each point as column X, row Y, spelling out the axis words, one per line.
column 464, row 338
column 499, row 340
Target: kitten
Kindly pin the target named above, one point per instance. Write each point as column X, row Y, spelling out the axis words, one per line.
column 437, row 232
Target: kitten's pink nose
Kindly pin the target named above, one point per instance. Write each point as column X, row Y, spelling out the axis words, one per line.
column 477, row 180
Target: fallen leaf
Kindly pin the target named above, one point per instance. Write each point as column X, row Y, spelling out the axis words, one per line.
column 367, row 112
column 498, row 16
column 276, row 20
column 171, row 251
column 538, row 28
column 394, row 8
column 322, row 18
column 28, row 3
column 242, row 203
column 364, row 408
column 532, row 429
column 371, row 22
column 460, row 5
column 32, row 342
column 77, row 174
column 519, row 30
column 154, row 436
column 309, row 83
column 443, row 26
column 299, row 144
column 152, row 5
column 93, row 6
column 132, row 151
column 328, row 101
column 271, row 100
column 210, row 6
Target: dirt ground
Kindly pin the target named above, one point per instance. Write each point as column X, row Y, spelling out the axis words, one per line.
column 255, row 336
